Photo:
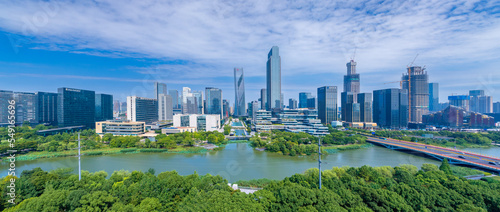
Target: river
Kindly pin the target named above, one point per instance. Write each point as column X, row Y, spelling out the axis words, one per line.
column 235, row 162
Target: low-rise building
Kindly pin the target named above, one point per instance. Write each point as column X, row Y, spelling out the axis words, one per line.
column 120, row 128
column 198, row 121
column 174, row 130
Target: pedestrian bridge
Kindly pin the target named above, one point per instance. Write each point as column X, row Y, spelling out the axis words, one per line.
column 454, row 156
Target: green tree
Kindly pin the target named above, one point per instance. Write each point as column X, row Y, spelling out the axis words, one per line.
column 445, row 167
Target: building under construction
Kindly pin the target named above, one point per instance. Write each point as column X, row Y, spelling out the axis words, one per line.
column 416, row 81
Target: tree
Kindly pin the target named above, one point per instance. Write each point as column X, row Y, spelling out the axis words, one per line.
column 445, row 167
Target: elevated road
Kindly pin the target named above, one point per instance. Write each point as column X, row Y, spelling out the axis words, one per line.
column 454, row 156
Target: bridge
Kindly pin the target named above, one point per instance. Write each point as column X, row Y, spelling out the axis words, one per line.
column 454, row 156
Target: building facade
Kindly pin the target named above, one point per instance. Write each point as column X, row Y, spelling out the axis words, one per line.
column 292, row 104
column 462, row 101
column 198, row 121
column 47, row 108
column 165, row 107
column 175, row 98
column 239, row 91
column 118, row 128
column 103, row 107
column 365, row 107
column 416, row 82
column 303, row 97
column 496, row 107
column 26, row 107
column 433, row 96
column 327, row 104
column 76, row 107
column 273, row 79
column 140, row 109
column 213, row 98
column 390, row 108
column 263, row 99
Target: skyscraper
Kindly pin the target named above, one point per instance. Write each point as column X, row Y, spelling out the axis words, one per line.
column 103, row 107
column 311, row 103
column 160, row 88
column 476, row 93
column 327, row 104
column 350, row 109
column 213, row 97
column 390, row 108
column 351, row 80
column 252, row 110
column 496, row 107
column 263, row 99
column 198, row 95
column 303, row 97
column 292, row 103
column 47, row 108
column 142, row 109
column 274, row 79
column 461, row 101
column 416, row 82
column 479, row 102
column 365, row 107
column 225, row 108
column 175, row 98
column 5, row 98
column 433, row 96
column 239, row 91
column 76, row 107
column 190, row 101
column 165, row 107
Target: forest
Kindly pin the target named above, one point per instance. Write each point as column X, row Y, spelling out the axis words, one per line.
column 403, row 188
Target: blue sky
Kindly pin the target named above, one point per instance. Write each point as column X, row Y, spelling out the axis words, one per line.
column 122, row 47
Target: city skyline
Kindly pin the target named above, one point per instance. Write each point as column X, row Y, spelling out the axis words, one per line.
column 459, row 49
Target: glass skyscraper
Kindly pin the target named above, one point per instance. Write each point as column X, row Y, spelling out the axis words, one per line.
column 160, row 88
column 263, row 99
column 303, row 97
column 327, row 104
column 390, row 108
column 213, row 97
column 239, row 91
column 274, row 79
column 76, row 107
column 26, row 107
column 103, row 107
column 433, row 96
column 365, row 107
column 175, row 98
column 47, row 108
column 417, row 86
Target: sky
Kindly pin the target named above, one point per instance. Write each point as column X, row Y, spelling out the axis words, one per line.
column 123, row 47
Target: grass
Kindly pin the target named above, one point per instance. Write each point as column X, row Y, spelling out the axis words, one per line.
column 464, row 171
column 336, row 148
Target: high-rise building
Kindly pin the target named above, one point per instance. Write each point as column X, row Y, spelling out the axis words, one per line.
column 225, row 108
column 350, row 108
column 433, row 96
column 103, row 107
column 142, row 109
column 351, row 80
column 191, row 101
column 496, row 107
column 123, row 107
column 26, row 107
column 76, row 107
column 292, row 103
column 274, row 79
column 327, row 104
column 365, row 107
column 390, row 108
column 461, row 101
column 311, row 103
column 160, row 88
column 5, row 98
column 116, row 106
column 198, row 95
column 476, row 93
column 239, row 91
column 175, row 98
column 282, row 101
column 479, row 102
column 213, row 97
column 417, row 84
column 253, row 107
column 165, row 107
column 303, row 97
column 263, row 99
column 47, row 108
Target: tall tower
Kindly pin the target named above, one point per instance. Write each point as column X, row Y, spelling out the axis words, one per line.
column 327, row 104
column 348, row 99
column 263, row 99
column 239, row 90
column 416, row 81
column 351, row 80
column 274, row 79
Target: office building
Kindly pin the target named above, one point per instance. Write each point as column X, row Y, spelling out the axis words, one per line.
column 311, row 103
column 303, row 97
column 165, row 107
column 239, row 91
column 327, row 104
column 191, row 101
column 433, row 96
column 292, row 104
column 213, row 97
column 198, row 121
column 350, row 109
column 5, row 98
column 476, row 93
column 116, row 106
column 160, row 88
column 119, row 128
column 351, row 80
column 263, row 99
column 26, row 107
column 365, row 107
column 274, row 79
column 76, row 107
column 175, row 98
column 461, row 101
column 253, row 107
column 416, row 82
column 103, row 107
column 140, row 109
column 175, row 130
column 47, row 108
column 496, row 107
column 479, row 102
column 225, row 108
column 198, row 97
column 390, row 108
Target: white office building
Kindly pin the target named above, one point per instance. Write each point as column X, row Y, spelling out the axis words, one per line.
column 199, row 121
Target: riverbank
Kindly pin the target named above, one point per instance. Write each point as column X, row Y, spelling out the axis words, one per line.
column 108, row 151
column 336, row 148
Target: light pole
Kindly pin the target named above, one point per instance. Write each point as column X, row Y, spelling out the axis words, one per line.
column 319, row 160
